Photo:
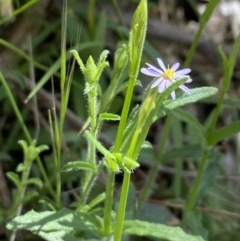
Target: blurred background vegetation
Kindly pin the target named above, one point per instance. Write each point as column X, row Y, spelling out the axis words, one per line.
column 30, row 43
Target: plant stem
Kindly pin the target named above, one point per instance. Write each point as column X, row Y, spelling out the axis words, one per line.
column 153, row 173
column 193, row 193
column 124, row 114
column 216, row 114
column 20, row 194
column 93, row 113
column 89, row 176
column 90, row 182
column 122, row 125
column 108, row 203
column 122, row 206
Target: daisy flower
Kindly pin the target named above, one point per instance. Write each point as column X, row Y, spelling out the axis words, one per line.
column 167, row 76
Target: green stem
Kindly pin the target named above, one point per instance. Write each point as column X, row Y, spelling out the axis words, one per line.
column 122, row 207
column 58, row 184
column 89, row 176
column 124, row 114
column 108, row 203
column 193, row 47
column 89, row 179
column 153, row 173
column 22, row 189
column 216, row 113
column 93, row 113
column 90, row 182
column 122, row 125
column 20, row 195
column 195, row 187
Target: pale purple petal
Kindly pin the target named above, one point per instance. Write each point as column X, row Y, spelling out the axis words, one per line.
column 182, row 72
column 183, row 76
column 149, row 72
column 173, row 95
column 163, row 83
column 156, row 82
column 175, row 66
column 185, row 89
column 162, row 86
column 161, row 64
column 154, row 68
column 189, row 80
column 168, row 83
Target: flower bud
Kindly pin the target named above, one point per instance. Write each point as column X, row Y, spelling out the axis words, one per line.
column 90, row 70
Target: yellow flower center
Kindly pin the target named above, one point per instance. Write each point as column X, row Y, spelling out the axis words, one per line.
column 168, row 74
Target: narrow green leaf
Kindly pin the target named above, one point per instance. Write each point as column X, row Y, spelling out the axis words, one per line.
column 97, row 144
column 212, row 171
column 232, row 61
column 14, row 178
column 79, row 60
column 203, row 20
column 143, row 228
column 225, row 132
column 191, row 120
column 78, row 165
column 100, row 198
column 35, row 181
column 49, row 204
column 30, row 195
column 197, row 94
column 208, row 12
column 196, row 222
column 109, row 117
column 193, row 151
column 234, row 53
column 63, row 47
column 226, row 68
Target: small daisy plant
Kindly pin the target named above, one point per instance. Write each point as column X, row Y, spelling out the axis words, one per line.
column 106, row 221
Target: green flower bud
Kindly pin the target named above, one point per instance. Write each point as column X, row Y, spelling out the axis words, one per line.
column 147, row 106
column 102, row 58
column 121, row 57
column 90, row 70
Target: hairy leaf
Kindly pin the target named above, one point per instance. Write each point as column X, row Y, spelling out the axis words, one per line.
column 143, row 228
